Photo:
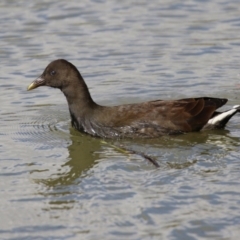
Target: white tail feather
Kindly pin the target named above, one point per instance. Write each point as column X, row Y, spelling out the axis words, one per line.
column 222, row 116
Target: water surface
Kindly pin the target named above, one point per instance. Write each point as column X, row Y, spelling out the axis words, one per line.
column 56, row 183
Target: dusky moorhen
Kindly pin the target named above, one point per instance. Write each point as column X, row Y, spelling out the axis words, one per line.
column 142, row 120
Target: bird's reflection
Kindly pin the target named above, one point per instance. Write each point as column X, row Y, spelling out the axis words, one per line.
column 84, row 150
column 83, row 153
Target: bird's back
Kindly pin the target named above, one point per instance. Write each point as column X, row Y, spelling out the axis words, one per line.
column 155, row 118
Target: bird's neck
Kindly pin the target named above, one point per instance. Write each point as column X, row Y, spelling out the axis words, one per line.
column 80, row 103
column 77, row 93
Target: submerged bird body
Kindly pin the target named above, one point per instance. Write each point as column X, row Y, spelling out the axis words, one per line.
column 143, row 120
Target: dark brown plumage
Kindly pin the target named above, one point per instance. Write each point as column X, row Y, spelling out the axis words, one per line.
column 143, row 120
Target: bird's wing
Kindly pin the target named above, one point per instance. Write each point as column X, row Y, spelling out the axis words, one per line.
column 182, row 115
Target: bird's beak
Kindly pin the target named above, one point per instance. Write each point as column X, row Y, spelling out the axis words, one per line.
column 37, row 83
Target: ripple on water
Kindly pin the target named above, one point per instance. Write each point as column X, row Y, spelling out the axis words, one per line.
column 38, row 126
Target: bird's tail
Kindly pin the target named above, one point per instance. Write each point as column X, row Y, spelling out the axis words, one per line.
column 220, row 119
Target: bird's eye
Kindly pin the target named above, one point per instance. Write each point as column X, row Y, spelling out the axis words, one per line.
column 52, row 72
